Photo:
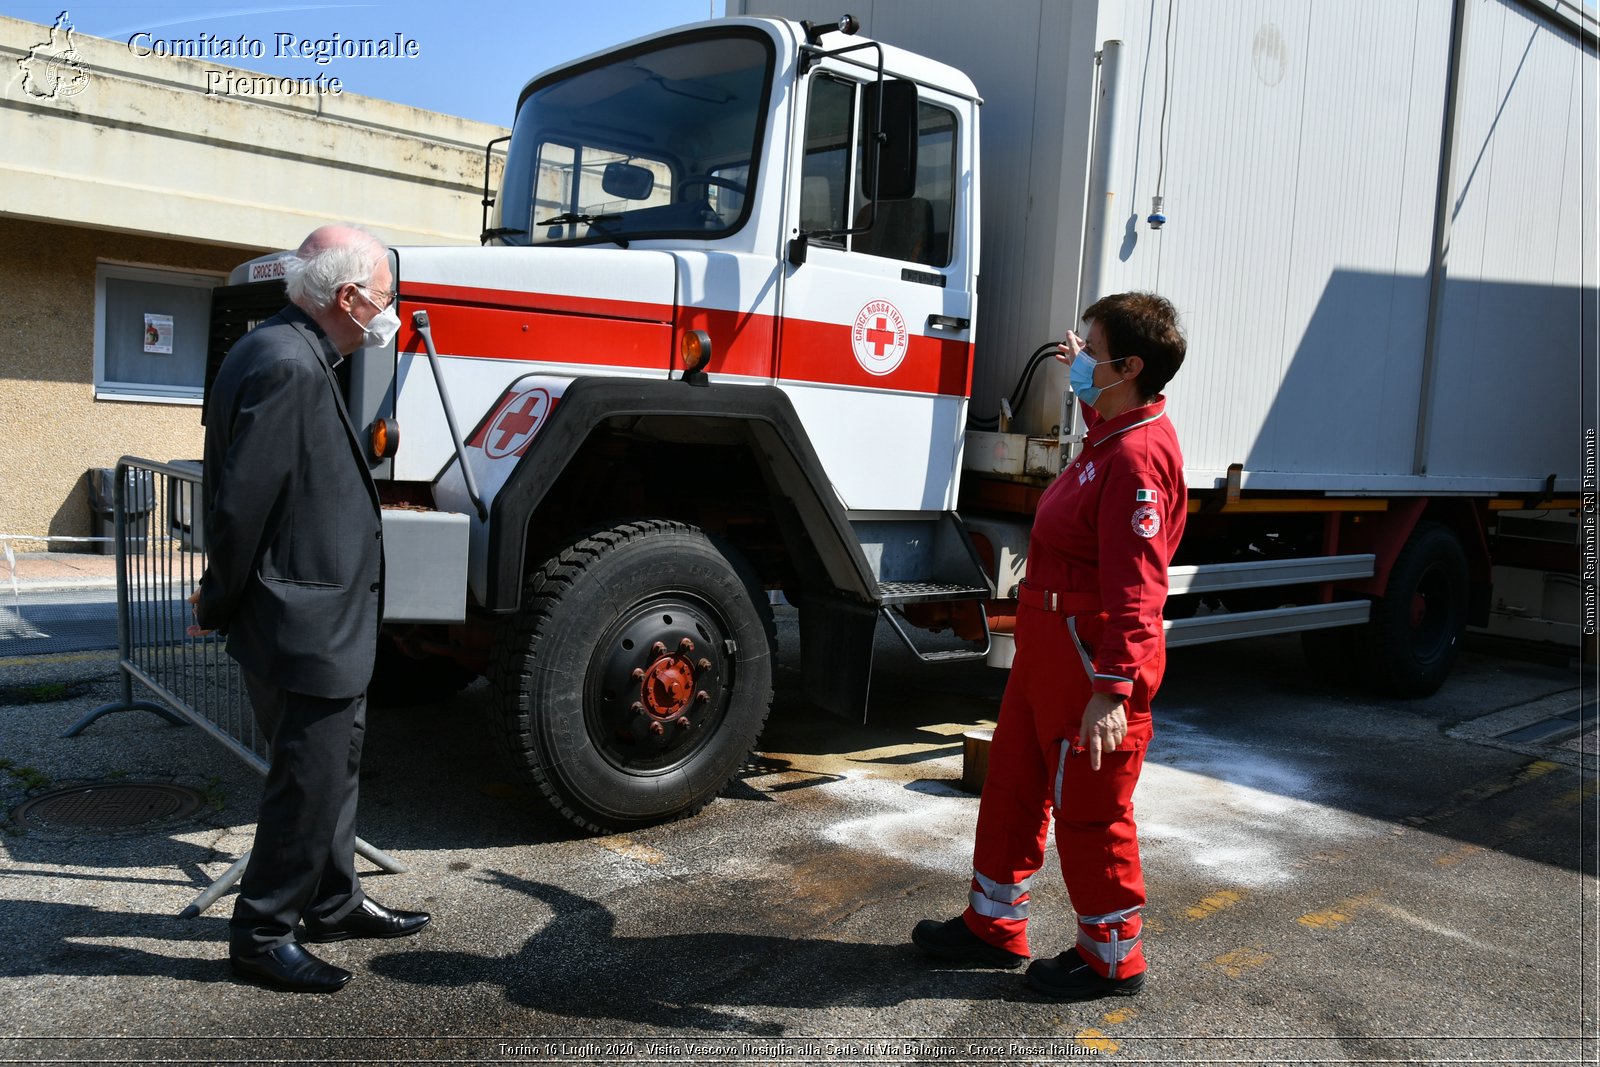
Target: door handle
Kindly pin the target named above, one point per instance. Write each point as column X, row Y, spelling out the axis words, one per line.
column 947, row 322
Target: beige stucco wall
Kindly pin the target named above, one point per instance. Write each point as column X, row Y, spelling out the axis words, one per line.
column 52, row 429
column 136, row 163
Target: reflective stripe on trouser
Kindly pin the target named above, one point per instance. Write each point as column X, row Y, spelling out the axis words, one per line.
column 999, row 900
column 1031, row 763
column 1111, row 943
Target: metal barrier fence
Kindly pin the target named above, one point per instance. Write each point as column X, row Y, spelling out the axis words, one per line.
column 158, row 566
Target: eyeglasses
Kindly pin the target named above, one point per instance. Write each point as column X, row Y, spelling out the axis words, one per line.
column 390, row 296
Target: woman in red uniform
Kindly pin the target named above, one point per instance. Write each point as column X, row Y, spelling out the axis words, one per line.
column 1075, row 718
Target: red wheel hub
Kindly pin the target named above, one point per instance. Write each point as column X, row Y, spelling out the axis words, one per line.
column 667, row 688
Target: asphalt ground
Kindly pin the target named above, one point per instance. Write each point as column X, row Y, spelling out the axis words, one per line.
column 1333, row 878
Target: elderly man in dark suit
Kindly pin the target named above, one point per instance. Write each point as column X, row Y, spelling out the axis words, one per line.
column 294, row 577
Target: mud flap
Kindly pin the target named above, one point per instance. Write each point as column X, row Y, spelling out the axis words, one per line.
column 836, row 654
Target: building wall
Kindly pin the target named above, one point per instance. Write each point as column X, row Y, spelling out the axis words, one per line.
column 107, row 157
column 52, row 429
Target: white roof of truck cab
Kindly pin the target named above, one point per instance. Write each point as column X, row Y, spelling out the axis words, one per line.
column 788, row 34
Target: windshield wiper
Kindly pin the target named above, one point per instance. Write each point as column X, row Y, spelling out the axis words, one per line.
column 501, row 231
column 595, row 222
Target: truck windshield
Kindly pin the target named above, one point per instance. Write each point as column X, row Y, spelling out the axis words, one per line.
column 661, row 141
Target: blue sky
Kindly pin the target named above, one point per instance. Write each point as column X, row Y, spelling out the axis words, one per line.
column 473, row 56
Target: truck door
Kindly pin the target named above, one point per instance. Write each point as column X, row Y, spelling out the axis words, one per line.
column 874, row 342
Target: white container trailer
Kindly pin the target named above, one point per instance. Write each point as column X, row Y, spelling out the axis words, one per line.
column 1380, row 230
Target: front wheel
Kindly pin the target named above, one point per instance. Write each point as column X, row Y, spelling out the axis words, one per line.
column 636, row 676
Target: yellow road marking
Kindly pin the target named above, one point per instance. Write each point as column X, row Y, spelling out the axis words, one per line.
column 1240, row 960
column 1092, row 1038
column 1118, row 1016
column 1339, row 914
column 1216, row 902
column 626, row 847
column 1578, row 795
column 1450, row 859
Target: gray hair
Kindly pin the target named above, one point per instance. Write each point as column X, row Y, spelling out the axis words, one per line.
column 329, row 258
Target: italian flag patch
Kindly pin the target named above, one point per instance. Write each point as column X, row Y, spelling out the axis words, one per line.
column 1145, row 496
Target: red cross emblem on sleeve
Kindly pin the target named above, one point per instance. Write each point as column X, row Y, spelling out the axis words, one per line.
column 1146, row 521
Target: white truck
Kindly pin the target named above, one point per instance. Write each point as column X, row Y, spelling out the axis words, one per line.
column 725, row 339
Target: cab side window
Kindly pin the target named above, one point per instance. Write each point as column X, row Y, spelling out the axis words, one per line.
column 834, row 193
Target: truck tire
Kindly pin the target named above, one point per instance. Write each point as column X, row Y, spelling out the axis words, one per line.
column 632, row 682
column 402, row 681
column 1410, row 641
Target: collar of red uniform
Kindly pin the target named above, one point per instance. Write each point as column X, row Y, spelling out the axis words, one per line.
column 1126, row 421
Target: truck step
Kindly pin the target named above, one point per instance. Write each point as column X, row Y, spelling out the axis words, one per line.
column 925, row 592
column 944, row 655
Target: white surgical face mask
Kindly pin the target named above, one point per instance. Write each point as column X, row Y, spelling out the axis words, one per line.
column 384, row 325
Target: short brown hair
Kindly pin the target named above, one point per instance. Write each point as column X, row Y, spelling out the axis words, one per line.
column 1143, row 325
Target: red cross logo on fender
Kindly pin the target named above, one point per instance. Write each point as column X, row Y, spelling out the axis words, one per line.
column 516, row 423
column 879, row 337
column 1146, row 521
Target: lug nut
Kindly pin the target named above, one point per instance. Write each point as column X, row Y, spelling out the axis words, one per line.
column 657, row 729
column 638, row 708
column 686, row 645
column 701, row 697
column 638, row 674
column 704, row 665
column 658, row 649
column 684, row 724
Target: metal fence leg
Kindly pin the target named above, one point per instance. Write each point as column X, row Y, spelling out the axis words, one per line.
column 127, row 703
column 380, row 857
column 229, row 879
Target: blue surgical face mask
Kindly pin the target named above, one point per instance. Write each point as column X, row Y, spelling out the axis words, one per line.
column 1081, row 377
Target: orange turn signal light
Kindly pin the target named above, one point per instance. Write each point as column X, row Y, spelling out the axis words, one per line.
column 384, row 438
column 695, row 350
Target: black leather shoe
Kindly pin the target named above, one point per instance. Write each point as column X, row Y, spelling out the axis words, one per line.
column 290, row 967
column 1069, row 977
column 954, row 940
column 371, row 919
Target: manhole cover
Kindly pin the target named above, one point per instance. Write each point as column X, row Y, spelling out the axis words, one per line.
column 117, row 806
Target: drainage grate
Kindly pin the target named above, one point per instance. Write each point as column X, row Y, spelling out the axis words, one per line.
column 118, row 806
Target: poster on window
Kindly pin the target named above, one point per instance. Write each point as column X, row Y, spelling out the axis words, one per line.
column 158, row 334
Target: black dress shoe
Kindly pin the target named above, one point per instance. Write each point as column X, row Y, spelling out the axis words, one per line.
column 290, row 967
column 371, row 919
column 954, row 940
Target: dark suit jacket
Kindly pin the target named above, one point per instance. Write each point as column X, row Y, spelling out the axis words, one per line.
column 294, row 567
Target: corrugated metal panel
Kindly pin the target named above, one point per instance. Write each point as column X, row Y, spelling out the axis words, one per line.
column 1301, row 160
column 1513, row 330
column 1301, row 157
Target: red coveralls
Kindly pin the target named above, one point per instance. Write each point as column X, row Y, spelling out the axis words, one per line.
column 1089, row 620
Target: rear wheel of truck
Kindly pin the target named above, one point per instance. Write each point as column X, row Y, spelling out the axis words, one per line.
column 634, row 679
column 1410, row 641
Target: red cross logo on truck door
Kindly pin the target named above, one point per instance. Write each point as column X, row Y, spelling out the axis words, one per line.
column 879, row 337
column 515, row 425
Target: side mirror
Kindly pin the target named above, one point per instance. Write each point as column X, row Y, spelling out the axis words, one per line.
column 893, row 151
column 627, row 181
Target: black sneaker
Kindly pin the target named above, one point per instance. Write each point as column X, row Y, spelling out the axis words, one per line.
column 1069, row 977
column 954, row 940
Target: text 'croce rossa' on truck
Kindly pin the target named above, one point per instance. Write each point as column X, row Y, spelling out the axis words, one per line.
column 723, row 341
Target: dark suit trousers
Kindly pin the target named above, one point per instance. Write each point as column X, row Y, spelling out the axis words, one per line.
column 303, row 860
